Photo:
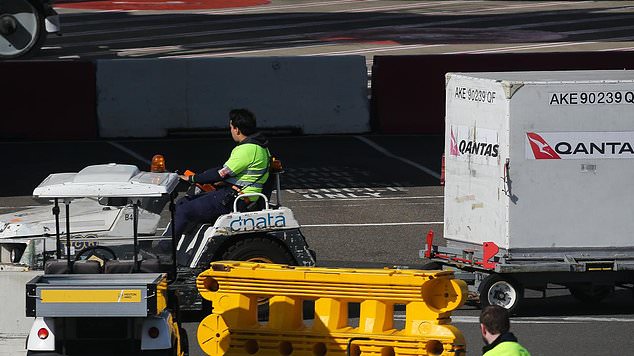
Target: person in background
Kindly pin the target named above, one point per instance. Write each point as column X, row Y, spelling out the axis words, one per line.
column 499, row 341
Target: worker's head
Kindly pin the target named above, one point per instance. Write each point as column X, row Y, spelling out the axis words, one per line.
column 494, row 321
column 242, row 123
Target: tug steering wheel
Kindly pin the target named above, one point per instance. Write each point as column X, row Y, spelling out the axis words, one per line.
column 93, row 252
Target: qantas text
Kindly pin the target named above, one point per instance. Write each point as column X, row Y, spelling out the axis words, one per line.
column 478, row 148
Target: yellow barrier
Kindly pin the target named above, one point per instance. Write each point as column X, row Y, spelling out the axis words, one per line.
column 235, row 287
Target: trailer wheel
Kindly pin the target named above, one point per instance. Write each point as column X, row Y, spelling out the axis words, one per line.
column 22, row 28
column 591, row 294
column 498, row 290
column 431, row 266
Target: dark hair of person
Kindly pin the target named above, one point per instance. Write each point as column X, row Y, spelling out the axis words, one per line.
column 244, row 120
column 495, row 319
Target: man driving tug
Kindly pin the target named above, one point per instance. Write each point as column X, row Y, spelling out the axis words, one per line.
column 246, row 171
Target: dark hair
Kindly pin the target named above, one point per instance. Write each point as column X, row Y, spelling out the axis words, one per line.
column 495, row 319
column 244, row 120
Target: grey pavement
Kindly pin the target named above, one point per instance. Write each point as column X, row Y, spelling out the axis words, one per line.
column 359, row 208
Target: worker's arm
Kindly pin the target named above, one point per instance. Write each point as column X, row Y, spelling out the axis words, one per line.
column 209, row 176
column 240, row 158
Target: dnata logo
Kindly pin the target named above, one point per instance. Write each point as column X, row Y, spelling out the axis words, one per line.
column 257, row 223
column 541, row 149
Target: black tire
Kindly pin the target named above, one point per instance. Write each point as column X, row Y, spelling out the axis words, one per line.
column 496, row 289
column 591, row 294
column 431, row 266
column 184, row 341
column 258, row 249
column 29, row 35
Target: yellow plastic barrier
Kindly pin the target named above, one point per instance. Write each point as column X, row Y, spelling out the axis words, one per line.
column 234, row 289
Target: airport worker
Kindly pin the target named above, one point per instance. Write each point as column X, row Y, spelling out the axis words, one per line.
column 246, row 171
column 499, row 341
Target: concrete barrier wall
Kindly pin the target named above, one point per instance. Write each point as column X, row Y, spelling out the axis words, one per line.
column 408, row 92
column 148, row 98
column 14, row 325
column 48, row 100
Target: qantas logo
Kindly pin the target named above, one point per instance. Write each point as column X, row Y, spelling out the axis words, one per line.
column 474, row 144
column 541, row 149
column 453, row 146
column 580, row 145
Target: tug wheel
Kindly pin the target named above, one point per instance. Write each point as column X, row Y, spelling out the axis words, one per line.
column 258, row 249
column 261, row 250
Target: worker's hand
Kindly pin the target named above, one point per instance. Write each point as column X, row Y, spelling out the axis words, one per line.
column 184, row 177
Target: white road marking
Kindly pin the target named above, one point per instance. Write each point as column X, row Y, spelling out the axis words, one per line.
column 536, row 320
column 368, row 198
column 381, row 48
column 358, row 205
column 398, row 7
column 130, row 152
column 527, row 6
column 284, row 7
column 402, row 159
column 521, row 47
column 629, row 48
column 22, row 207
column 377, row 224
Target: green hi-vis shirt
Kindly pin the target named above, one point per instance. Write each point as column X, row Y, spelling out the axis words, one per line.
column 249, row 166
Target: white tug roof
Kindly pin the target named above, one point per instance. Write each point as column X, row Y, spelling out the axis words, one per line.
column 107, row 180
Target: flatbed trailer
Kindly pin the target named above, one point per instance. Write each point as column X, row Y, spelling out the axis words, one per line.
column 500, row 277
column 538, row 190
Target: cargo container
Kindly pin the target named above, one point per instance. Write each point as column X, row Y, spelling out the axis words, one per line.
column 538, row 182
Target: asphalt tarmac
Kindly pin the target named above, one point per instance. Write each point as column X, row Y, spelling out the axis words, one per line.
column 363, row 201
column 128, row 29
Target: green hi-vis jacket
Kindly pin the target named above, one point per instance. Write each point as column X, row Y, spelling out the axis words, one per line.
column 249, row 166
column 505, row 345
column 508, row 348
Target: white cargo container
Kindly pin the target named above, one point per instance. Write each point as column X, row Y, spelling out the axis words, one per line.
column 541, row 164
